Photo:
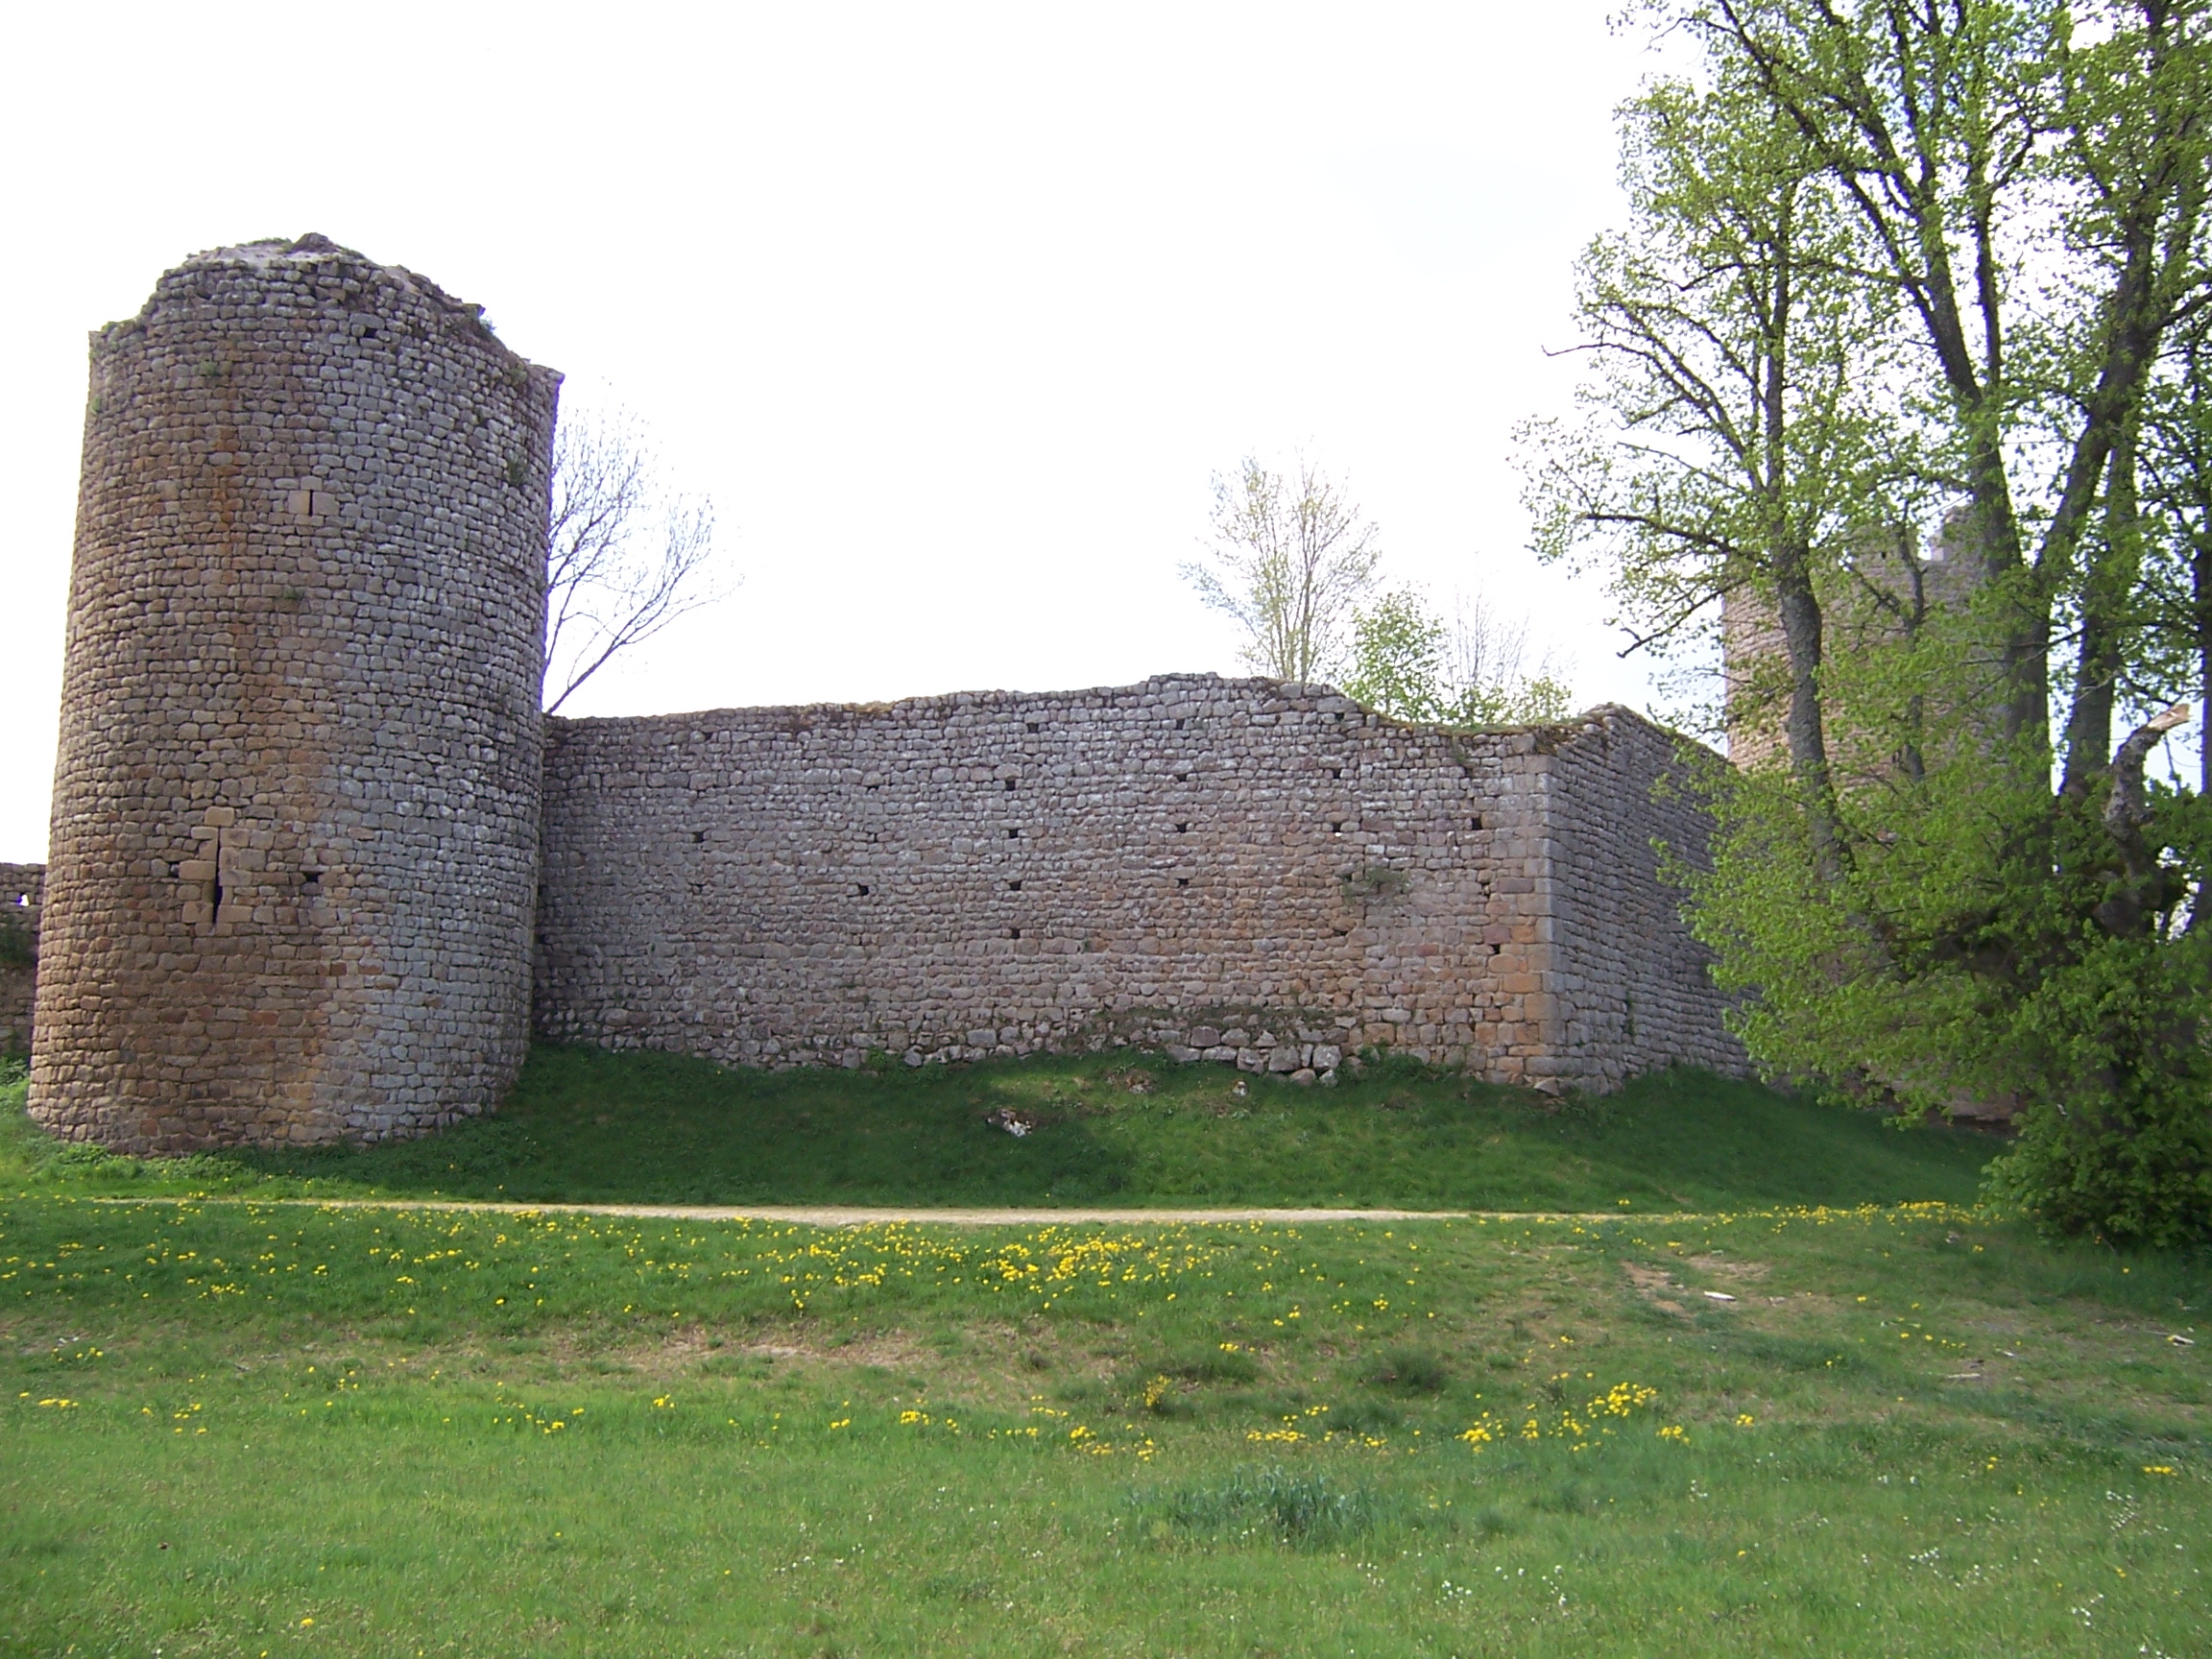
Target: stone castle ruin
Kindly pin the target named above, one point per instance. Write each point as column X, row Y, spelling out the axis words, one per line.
column 319, row 866
column 1891, row 588
column 295, row 834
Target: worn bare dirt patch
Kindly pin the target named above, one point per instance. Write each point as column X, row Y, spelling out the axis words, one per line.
column 1652, row 1285
column 1750, row 1272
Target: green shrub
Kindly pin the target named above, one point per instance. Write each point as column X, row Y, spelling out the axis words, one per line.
column 2116, row 1142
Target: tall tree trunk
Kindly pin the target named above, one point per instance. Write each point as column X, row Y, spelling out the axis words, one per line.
column 1789, row 561
column 1799, row 611
column 2200, row 580
column 2108, row 586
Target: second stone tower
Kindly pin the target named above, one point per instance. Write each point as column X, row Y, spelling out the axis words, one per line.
column 295, row 839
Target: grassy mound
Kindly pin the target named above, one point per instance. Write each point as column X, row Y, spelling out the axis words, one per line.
column 589, row 1125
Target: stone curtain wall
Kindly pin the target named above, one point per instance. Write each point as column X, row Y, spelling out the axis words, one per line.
column 22, row 887
column 1243, row 870
column 296, row 809
column 1632, row 986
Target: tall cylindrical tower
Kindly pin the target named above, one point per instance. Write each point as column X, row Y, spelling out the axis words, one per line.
column 295, row 847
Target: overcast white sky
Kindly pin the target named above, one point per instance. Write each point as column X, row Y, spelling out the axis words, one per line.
column 953, row 309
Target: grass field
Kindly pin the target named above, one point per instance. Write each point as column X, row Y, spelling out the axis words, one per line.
column 250, row 1424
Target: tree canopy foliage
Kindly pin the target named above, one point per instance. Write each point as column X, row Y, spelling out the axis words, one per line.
column 1900, row 358
column 1289, row 559
column 1410, row 663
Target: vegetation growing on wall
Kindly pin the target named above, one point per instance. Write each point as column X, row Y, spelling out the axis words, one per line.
column 1411, row 663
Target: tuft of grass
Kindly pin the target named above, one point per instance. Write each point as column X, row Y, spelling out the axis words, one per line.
column 1407, row 1370
column 1301, row 1509
column 1216, row 1363
column 1366, row 1417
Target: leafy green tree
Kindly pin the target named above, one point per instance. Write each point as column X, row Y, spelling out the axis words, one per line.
column 1960, row 881
column 1410, row 664
column 2177, row 525
column 1735, row 442
column 1398, row 658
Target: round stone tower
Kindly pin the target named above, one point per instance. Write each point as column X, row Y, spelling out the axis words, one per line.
column 294, row 846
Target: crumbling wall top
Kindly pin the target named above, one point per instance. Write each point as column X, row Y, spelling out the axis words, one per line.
column 315, row 258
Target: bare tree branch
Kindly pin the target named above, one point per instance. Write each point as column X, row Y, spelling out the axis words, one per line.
column 2125, row 810
column 625, row 557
